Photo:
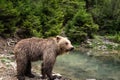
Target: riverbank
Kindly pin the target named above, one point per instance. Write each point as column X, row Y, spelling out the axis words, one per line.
column 101, row 47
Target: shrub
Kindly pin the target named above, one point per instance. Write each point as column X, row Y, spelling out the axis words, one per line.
column 81, row 27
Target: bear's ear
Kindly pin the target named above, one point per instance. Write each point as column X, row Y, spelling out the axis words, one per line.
column 58, row 38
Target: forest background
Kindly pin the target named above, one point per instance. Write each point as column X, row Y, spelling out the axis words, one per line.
column 76, row 19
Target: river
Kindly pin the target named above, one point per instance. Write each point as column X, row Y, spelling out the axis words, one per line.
column 79, row 66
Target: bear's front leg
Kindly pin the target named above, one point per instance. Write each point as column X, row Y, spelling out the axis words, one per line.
column 43, row 72
column 47, row 65
column 47, row 70
column 49, row 74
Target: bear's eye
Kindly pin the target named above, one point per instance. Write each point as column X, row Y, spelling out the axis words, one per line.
column 66, row 43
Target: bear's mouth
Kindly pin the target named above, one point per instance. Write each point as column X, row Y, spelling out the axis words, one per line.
column 71, row 49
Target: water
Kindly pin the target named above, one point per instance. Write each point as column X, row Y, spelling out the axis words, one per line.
column 79, row 66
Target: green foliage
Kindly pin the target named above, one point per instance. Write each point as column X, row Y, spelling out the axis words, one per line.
column 8, row 18
column 115, row 37
column 36, row 18
column 43, row 18
column 81, row 26
column 51, row 18
column 118, row 47
column 32, row 23
column 106, row 14
column 1, row 28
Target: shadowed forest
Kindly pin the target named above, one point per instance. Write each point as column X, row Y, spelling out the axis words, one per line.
column 77, row 19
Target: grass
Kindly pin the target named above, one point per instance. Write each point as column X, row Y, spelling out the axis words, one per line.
column 115, row 37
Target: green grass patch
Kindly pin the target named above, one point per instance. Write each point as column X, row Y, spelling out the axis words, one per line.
column 115, row 37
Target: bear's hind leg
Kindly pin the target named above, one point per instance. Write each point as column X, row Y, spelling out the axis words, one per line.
column 28, row 70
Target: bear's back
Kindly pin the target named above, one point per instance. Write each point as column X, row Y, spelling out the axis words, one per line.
column 35, row 47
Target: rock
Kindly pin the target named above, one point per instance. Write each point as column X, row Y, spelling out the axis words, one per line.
column 11, row 42
column 57, row 74
column 13, row 64
column 59, row 77
column 2, row 65
column 89, row 53
column 102, row 47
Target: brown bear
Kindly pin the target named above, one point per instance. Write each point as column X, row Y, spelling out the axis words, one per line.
column 33, row 49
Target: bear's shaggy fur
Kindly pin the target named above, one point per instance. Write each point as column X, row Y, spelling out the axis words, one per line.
column 33, row 49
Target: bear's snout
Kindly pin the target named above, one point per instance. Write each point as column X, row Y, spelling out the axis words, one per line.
column 72, row 48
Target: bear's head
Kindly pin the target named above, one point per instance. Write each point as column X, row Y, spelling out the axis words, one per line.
column 64, row 44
